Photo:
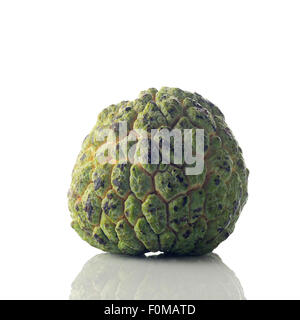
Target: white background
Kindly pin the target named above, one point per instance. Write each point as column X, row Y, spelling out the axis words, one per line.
column 61, row 62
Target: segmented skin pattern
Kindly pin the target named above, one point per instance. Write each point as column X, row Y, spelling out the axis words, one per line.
column 138, row 208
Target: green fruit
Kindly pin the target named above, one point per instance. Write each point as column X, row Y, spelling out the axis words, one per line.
column 114, row 277
column 133, row 208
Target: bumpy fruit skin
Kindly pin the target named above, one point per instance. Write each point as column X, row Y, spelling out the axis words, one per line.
column 137, row 208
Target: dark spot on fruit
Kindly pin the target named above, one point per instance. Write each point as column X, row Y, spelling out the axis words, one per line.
column 186, row 234
column 121, row 166
column 99, row 240
column 226, row 235
column 197, row 105
column 98, row 183
column 117, row 182
column 217, row 181
column 235, row 206
column 183, row 219
column 179, row 178
column 240, row 164
column 89, row 208
column 106, row 207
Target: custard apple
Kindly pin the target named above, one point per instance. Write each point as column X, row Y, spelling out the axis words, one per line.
column 134, row 207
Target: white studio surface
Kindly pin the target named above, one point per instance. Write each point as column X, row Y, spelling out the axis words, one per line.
column 62, row 62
